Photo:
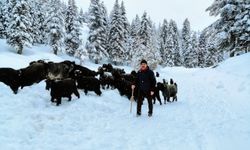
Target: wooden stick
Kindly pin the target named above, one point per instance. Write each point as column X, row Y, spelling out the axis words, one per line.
column 131, row 100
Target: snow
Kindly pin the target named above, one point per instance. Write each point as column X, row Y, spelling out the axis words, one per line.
column 212, row 112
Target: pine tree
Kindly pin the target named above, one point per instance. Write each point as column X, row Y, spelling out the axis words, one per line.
column 126, row 29
column 83, row 16
column 202, row 50
column 63, row 6
column 145, row 30
column 211, row 55
column 135, row 26
column 38, row 21
column 241, row 27
column 116, row 36
column 55, row 23
column 169, row 51
column 173, row 48
column 163, row 40
column 232, row 27
column 72, row 26
column 146, row 48
column 186, row 42
column 125, row 21
column 176, row 39
column 154, row 48
column 2, row 19
column 7, row 11
column 97, row 40
column 133, row 40
column 193, row 54
column 19, row 21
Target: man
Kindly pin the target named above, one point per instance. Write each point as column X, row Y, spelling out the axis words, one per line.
column 145, row 82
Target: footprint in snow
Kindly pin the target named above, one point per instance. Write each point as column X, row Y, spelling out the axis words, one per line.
column 220, row 86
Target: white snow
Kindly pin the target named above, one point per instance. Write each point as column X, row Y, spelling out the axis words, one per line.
column 212, row 112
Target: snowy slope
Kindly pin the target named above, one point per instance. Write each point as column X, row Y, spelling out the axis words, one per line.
column 212, row 112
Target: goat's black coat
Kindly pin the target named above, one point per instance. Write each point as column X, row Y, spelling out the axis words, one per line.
column 61, row 88
column 168, row 90
column 34, row 73
column 83, row 71
column 107, row 67
column 157, row 94
column 88, row 83
column 106, row 80
column 10, row 77
column 59, row 70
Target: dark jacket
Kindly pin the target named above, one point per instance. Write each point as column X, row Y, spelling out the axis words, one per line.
column 145, row 81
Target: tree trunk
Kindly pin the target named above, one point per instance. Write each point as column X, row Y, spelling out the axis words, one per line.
column 232, row 54
column 20, row 50
column 55, row 49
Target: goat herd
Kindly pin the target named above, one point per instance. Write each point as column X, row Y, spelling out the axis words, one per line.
column 65, row 78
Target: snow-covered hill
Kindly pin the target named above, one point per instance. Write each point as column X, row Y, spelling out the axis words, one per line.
column 212, row 112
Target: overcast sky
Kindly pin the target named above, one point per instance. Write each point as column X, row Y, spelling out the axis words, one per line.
column 169, row 9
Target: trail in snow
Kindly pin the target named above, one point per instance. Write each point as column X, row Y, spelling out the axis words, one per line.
column 212, row 112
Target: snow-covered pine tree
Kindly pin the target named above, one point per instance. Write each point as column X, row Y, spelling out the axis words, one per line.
column 5, row 16
column 172, row 48
column 72, row 27
column 63, row 6
column 169, row 49
column 124, row 20
column 233, row 24
column 116, row 36
column 19, row 25
column 126, row 28
column 163, row 41
column 106, row 23
column 97, row 41
column 211, row 55
column 38, row 12
column 154, row 48
column 146, row 49
column 135, row 26
column 69, row 15
column 145, row 30
column 186, row 42
column 81, row 17
column 129, row 49
column 2, row 18
column 55, row 25
column 241, row 27
column 202, row 50
column 176, row 38
column 7, row 12
column 194, row 50
column 133, row 40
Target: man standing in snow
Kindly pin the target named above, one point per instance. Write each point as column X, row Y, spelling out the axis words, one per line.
column 145, row 82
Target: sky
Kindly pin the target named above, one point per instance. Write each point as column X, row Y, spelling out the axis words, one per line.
column 177, row 10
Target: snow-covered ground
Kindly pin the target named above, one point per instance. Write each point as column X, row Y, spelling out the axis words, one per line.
column 213, row 112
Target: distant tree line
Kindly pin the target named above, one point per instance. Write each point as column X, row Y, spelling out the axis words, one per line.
column 114, row 39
